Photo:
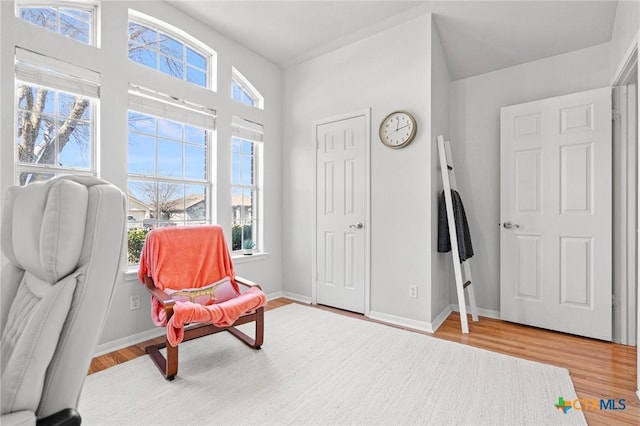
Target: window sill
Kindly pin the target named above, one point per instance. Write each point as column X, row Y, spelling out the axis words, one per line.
column 242, row 258
column 131, row 274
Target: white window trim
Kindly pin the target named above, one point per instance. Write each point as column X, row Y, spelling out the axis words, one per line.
column 242, row 81
column 187, row 39
column 90, row 6
column 40, row 70
column 252, row 132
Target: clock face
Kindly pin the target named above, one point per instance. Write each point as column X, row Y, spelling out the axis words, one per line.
column 398, row 129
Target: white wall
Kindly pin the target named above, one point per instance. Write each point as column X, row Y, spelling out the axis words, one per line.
column 475, row 142
column 626, row 28
column 387, row 71
column 442, row 278
column 116, row 73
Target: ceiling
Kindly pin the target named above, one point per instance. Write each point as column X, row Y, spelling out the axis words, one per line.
column 477, row 36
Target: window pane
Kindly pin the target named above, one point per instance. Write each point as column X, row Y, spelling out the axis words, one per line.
column 44, row 17
column 196, row 203
column 196, row 59
column 142, row 123
column 195, row 135
column 79, row 14
column 69, row 22
column 171, row 47
column 194, row 162
column 142, row 154
column 171, row 66
column 169, row 158
column 246, row 174
column 141, row 35
column 169, row 129
column 143, row 55
column 74, row 141
column 74, row 28
column 55, row 137
column 196, row 76
column 167, row 54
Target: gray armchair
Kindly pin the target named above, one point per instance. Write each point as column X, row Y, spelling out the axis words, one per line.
column 64, row 240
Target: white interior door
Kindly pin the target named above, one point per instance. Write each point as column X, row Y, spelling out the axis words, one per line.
column 556, row 213
column 341, row 212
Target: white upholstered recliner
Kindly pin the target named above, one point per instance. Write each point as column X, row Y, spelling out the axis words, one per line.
column 63, row 240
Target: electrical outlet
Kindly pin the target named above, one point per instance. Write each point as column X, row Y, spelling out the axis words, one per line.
column 134, row 302
column 413, row 291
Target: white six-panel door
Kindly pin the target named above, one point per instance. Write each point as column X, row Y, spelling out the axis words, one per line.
column 556, row 214
column 341, row 213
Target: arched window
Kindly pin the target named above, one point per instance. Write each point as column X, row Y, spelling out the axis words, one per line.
column 170, row 51
column 243, row 91
column 75, row 21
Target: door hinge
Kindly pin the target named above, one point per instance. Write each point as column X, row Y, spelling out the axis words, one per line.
column 615, row 115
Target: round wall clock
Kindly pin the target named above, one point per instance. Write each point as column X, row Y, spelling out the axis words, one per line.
column 398, row 129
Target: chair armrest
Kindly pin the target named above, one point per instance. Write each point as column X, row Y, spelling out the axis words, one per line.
column 245, row 282
column 161, row 296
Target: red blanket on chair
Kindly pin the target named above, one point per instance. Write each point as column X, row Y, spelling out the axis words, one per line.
column 220, row 315
column 186, row 257
column 192, row 257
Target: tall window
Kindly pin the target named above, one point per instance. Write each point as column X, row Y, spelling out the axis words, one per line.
column 168, row 166
column 55, row 118
column 243, row 91
column 246, row 146
column 168, row 52
column 74, row 21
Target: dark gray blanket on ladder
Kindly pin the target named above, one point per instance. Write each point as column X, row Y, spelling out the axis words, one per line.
column 462, row 227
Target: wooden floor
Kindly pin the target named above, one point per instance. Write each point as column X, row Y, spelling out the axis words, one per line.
column 598, row 369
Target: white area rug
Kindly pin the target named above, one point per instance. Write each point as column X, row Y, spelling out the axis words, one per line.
column 316, row 367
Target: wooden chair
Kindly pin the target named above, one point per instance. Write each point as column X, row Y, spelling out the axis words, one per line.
column 193, row 250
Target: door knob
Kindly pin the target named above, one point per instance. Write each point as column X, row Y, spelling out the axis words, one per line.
column 358, row 225
column 509, row 225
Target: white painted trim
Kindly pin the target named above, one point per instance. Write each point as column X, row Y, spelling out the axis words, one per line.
column 293, row 296
column 489, row 313
column 127, row 341
column 401, row 321
column 441, row 318
column 638, row 393
column 366, row 113
column 626, row 64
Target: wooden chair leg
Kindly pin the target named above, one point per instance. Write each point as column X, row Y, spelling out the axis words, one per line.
column 168, row 366
column 259, row 332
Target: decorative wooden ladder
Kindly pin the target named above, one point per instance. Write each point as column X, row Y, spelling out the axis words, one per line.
column 449, row 183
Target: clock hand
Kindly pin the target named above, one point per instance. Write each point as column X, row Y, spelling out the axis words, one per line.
column 397, row 123
column 403, row 127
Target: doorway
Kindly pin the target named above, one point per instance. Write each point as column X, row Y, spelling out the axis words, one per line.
column 341, row 220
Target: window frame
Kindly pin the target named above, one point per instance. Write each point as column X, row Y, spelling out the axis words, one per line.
column 35, row 70
column 245, row 85
column 255, row 187
column 92, row 7
column 207, row 182
column 188, row 42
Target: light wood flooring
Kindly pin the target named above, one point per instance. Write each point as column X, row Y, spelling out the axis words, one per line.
column 598, row 369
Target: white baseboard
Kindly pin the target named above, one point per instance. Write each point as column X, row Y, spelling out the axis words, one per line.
column 401, row 321
column 127, row 341
column 489, row 313
column 441, row 318
column 293, row 296
column 638, row 393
